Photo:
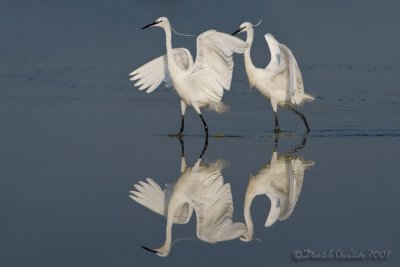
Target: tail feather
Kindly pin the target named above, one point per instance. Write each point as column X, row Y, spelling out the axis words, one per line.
column 308, row 164
column 218, row 165
column 308, row 97
column 219, row 107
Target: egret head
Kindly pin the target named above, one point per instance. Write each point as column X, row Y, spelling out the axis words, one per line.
column 160, row 22
column 162, row 252
column 246, row 237
column 246, row 26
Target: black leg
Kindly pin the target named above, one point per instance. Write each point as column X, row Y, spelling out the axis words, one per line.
column 276, row 143
column 276, row 130
column 204, row 147
column 182, row 147
column 206, row 138
column 302, row 144
column 182, row 125
column 301, row 115
column 205, row 125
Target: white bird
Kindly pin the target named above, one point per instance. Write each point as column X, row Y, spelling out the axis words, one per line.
column 281, row 180
column 199, row 188
column 199, row 84
column 281, row 80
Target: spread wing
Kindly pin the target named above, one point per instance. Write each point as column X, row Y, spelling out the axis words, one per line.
column 284, row 66
column 150, row 195
column 275, row 210
column 214, row 211
column 295, row 78
column 296, row 177
column 153, row 73
column 214, row 62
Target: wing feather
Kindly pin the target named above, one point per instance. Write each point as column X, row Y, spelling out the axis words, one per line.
column 296, row 177
column 275, row 209
column 214, row 210
column 150, row 195
column 295, row 78
column 152, row 74
column 214, row 62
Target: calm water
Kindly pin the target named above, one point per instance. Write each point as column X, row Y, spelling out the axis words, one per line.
column 76, row 136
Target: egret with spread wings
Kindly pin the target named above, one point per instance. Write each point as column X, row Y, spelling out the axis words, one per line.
column 281, row 80
column 199, row 84
column 200, row 188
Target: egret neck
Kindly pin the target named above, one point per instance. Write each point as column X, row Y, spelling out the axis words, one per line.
column 250, row 68
column 166, row 247
column 170, row 56
column 247, row 217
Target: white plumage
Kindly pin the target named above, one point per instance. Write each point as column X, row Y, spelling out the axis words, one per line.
column 281, row 180
column 199, row 188
column 153, row 73
column 281, row 81
column 200, row 83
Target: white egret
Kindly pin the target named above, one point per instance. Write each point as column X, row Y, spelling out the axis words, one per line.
column 200, row 188
column 281, row 180
column 199, row 84
column 281, row 80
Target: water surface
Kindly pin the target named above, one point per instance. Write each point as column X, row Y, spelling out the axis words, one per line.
column 76, row 136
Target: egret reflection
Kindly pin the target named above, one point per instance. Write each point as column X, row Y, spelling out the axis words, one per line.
column 200, row 188
column 281, row 180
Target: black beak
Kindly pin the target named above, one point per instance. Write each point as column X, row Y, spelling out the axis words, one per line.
column 237, row 31
column 151, row 24
column 146, row 248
